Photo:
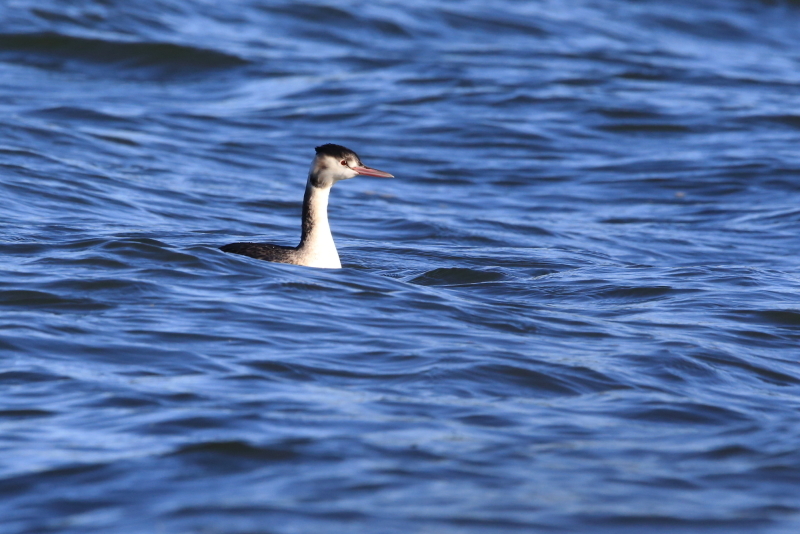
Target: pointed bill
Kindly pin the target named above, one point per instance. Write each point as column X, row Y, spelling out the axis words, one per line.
column 369, row 171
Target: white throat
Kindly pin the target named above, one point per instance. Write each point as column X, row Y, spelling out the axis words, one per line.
column 316, row 248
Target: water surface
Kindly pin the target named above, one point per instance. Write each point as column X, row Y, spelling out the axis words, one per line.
column 575, row 309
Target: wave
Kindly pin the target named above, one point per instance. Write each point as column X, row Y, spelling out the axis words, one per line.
column 157, row 59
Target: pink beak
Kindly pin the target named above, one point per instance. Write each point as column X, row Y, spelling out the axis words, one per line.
column 369, row 171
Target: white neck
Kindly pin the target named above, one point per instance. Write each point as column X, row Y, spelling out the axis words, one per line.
column 316, row 248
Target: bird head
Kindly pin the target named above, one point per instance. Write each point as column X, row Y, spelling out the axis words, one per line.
column 334, row 163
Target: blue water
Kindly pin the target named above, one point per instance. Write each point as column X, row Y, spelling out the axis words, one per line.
column 576, row 308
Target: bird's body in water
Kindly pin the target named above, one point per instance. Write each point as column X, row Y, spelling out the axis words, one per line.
column 316, row 249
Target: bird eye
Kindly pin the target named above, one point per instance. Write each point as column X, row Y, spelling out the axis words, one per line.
column 344, row 162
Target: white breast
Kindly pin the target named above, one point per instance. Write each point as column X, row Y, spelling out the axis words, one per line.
column 317, row 248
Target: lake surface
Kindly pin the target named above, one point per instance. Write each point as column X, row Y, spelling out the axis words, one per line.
column 576, row 308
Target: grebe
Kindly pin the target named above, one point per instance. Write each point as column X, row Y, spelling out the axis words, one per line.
column 316, row 249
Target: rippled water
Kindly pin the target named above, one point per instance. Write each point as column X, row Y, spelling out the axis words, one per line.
column 575, row 309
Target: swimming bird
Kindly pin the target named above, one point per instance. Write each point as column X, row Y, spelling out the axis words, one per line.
column 331, row 164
